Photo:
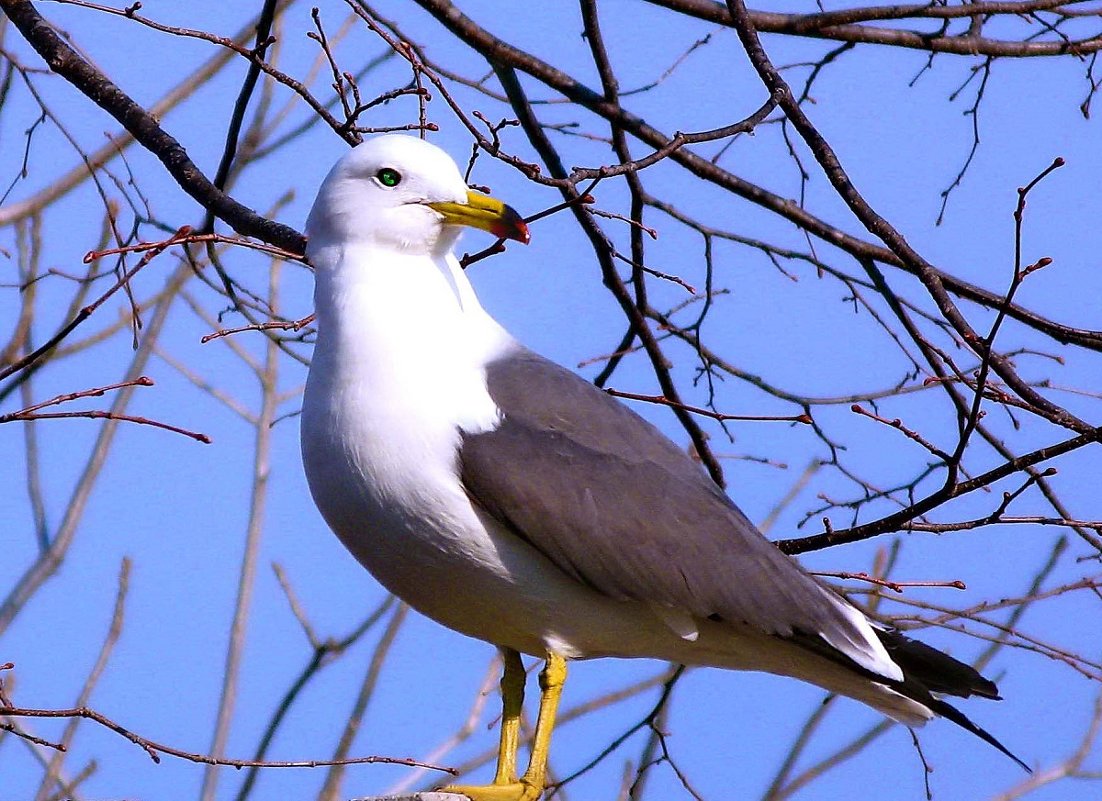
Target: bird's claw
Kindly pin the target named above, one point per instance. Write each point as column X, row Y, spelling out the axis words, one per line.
column 513, row 791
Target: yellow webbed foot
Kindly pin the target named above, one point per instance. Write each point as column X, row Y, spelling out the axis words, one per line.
column 514, row 791
column 530, row 786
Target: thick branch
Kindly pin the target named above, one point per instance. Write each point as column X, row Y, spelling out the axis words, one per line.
column 66, row 62
column 900, row 520
column 831, row 25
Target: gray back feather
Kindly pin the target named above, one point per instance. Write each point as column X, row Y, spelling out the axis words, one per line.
column 617, row 506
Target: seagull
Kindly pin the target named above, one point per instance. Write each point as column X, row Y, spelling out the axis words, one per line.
column 512, row 501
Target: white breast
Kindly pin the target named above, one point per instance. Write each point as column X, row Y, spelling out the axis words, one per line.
column 397, row 374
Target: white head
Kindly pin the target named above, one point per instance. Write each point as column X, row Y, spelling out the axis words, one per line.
column 403, row 194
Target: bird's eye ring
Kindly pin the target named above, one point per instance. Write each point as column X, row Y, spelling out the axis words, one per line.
column 388, row 177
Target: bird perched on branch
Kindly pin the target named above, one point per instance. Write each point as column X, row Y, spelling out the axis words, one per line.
column 508, row 499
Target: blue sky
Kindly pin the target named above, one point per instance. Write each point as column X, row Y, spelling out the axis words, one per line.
column 179, row 510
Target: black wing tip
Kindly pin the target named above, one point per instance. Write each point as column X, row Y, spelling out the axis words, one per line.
column 950, row 712
column 928, row 671
column 934, row 669
column 987, row 689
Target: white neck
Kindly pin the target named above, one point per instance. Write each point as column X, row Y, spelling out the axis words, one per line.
column 405, row 330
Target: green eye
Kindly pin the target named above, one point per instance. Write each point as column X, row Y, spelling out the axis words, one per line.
column 388, row 177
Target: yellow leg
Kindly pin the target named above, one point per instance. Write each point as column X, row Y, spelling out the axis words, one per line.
column 530, row 786
column 552, row 678
column 512, row 707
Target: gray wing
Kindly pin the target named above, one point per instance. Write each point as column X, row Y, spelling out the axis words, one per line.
column 616, row 505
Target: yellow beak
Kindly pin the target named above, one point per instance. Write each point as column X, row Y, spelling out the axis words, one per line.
column 485, row 213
